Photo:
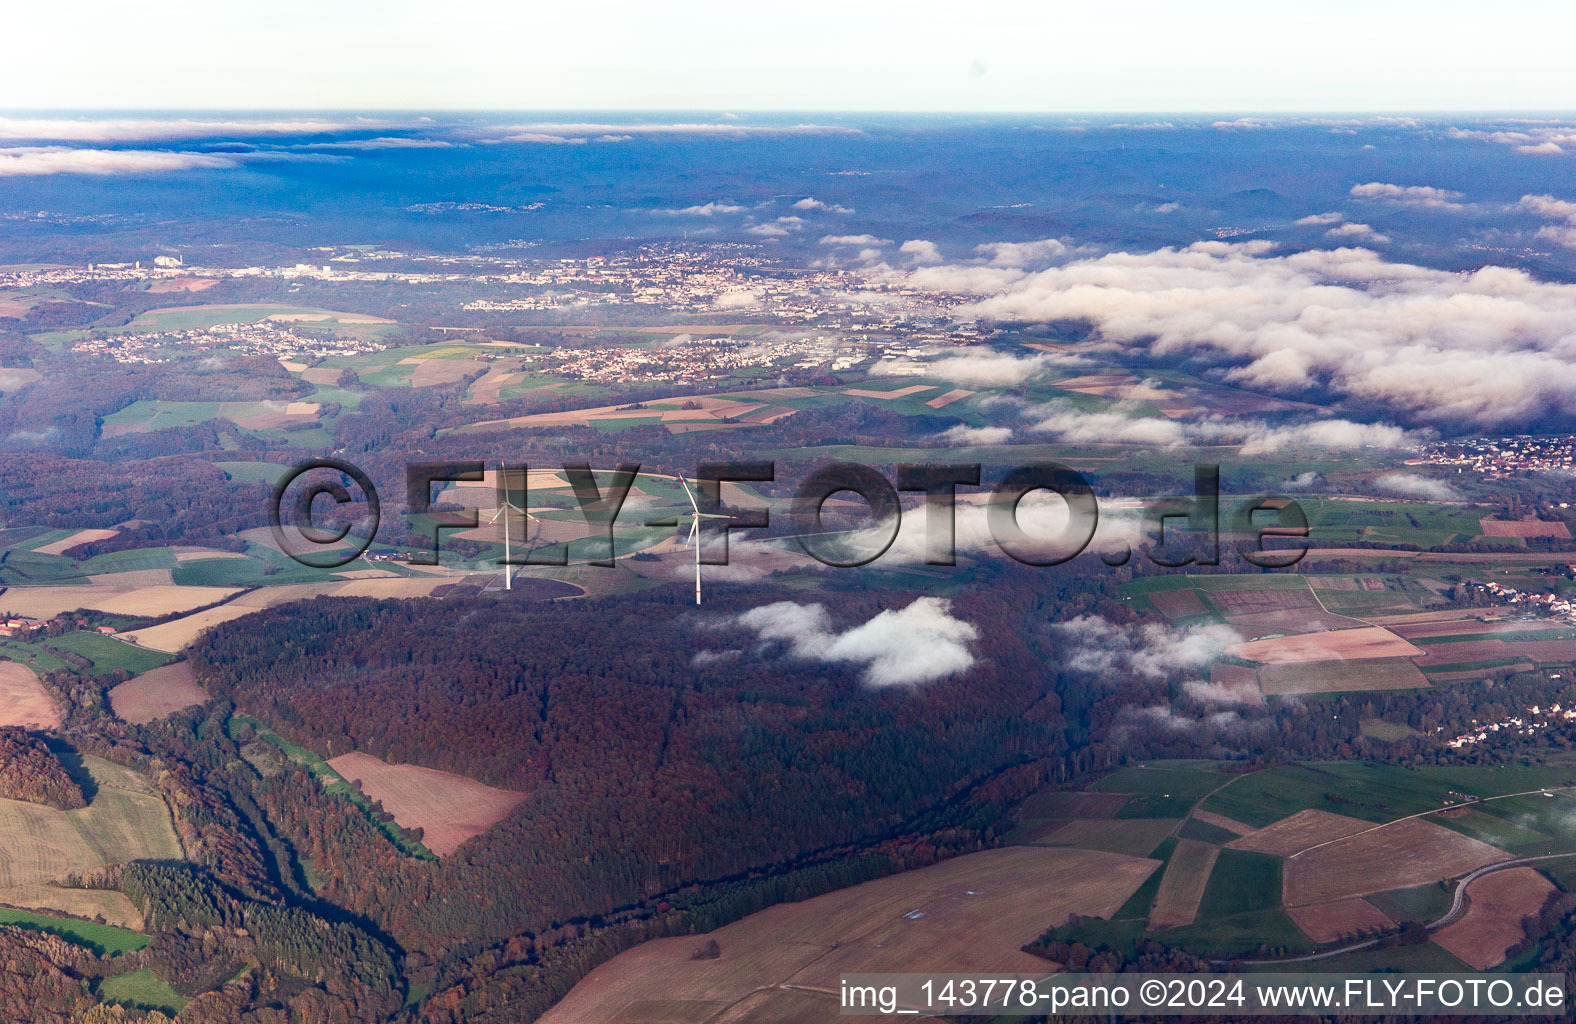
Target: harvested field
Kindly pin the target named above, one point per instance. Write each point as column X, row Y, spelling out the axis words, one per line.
column 1443, row 615
column 1464, row 627
column 1332, row 583
column 157, row 693
column 65, row 544
column 38, row 844
column 183, row 284
column 1332, row 645
column 12, row 378
column 970, row 913
column 134, row 578
column 326, row 375
column 1299, row 831
column 172, row 636
column 1182, row 886
column 486, row 391
column 449, row 809
column 1292, row 620
column 1523, row 528
column 1341, row 676
column 942, row 401
column 1238, row 682
column 1342, row 919
column 1492, row 923
column 1177, row 604
column 1407, row 853
column 1467, row 651
column 1133, row 836
column 1221, row 821
column 153, row 602
column 1274, row 599
column 23, row 699
column 190, row 554
column 912, row 389
column 428, row 372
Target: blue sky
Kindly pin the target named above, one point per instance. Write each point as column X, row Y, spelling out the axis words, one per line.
column 987, row 55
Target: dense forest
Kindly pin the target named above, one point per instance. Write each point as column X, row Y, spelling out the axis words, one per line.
column 31, row 771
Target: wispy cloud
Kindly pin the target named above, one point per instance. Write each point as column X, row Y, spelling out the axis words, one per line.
column 60, row 160
column 157, row 129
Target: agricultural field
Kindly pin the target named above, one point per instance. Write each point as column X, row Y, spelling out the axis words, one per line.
column 103, row 939
column 157, row 693
column 1267, row 862
column 1312, row 634
column 106, row 653
column 447, row 808
column 141, row 990
column 124, row 821
column 970, row 913
column 23, row 699
column 1492, row 923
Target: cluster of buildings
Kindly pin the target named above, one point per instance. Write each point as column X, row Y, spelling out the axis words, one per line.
column 1550, row 604
column 715, row 279
column 1537, row 717
column 691, row 360
column 20, row 627
column 261, row 338
column 1492, row 456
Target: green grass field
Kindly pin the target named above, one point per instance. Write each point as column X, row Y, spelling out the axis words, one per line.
column 141, row 990
column 108, row 654
column 1373, row 792
column 1162, row 789
column 101, row 938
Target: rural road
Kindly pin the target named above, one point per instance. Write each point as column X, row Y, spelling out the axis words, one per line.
column 1458, row 905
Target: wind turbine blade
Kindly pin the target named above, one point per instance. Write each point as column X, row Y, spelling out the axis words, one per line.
column 687, row 494
column 694, row 529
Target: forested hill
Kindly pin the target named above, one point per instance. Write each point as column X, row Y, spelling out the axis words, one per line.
column 643, row 770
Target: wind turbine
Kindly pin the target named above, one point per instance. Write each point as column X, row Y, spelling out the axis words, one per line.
column 504, row 505
column 694, row 534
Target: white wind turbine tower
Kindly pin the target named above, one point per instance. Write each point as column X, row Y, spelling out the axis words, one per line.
column 694, row 535
column 504, row 505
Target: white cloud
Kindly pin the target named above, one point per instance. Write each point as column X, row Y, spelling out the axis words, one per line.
column 1321, row 218
column 1154, row 650
column 730, row 130
column 920, row 251
column 1359, row 231
column 710, row 209
column 392, row 142
column 544, row 138
column 1019, row 254
column 59, row 160
column 967, row 435
column 916, row 644
column 768, row 230
column 1422, row 196
column 155, row 129
column 984, row 369
column 1412, row 486
column 812, row 203
column 854, row 240
column 738, row 299
column 1491, row 347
